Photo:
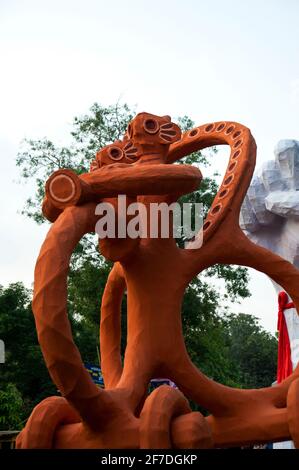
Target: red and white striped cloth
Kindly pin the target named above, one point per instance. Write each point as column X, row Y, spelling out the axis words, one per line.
column 288, row 346
column 284, row 362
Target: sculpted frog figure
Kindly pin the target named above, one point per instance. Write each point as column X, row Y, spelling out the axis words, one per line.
column 155, row 272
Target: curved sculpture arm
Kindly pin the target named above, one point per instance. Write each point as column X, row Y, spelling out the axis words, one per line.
column 62, row 357
column 64, row 188
column 243, row 252
column 110, row 329
column 239, row 170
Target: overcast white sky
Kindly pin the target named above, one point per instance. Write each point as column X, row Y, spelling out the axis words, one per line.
column 210, row 60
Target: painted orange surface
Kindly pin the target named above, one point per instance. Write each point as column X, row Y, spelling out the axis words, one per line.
column 155, row 273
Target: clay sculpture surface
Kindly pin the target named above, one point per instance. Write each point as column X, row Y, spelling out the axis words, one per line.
column 155, row 273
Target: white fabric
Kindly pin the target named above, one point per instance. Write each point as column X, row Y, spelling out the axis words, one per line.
column 292, row 321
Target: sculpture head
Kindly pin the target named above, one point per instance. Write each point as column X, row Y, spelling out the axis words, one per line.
column 121, row 151
column 152, row 135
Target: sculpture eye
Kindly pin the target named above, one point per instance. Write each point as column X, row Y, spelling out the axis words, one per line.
column 115, row 153
column 151, row 126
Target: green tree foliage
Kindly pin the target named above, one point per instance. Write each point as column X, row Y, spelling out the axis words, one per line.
column 24, row 365
column 231, row 348
column 252, row 350
column 11, row 406
column 38, row 159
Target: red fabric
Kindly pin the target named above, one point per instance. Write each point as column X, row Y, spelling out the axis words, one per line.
column 284, row 362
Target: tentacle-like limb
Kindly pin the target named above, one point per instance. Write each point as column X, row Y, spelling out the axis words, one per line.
column 241, row 251
column 46, row 417
column 159, row 409
column 233, row 421
column 166, row 420
column 62, row 357
column 64, row 188
column 239, row 170
column 232, row 408
column 110, row 330
column 191, row 431
column 246, row 253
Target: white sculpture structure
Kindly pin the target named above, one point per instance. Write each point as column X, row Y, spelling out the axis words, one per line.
column 270, row 217
column 270, row 213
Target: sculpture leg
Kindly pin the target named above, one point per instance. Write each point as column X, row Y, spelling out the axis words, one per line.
column 134, row 383
column 238, row 416
column 102, row 412
column 189, row 430
column 46, row 417
column 247, row 415
column 110, row 330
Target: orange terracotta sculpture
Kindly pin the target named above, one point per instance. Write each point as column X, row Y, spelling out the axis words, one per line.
column 155, row 273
